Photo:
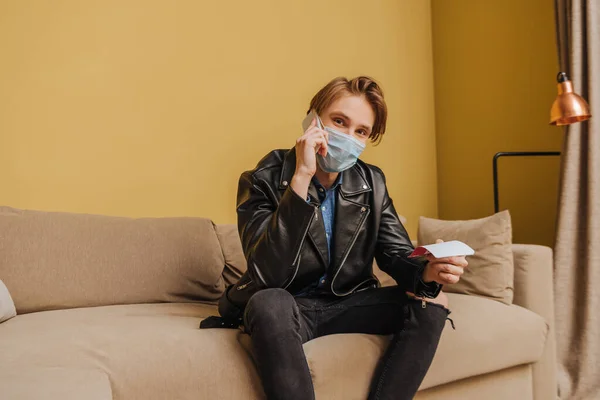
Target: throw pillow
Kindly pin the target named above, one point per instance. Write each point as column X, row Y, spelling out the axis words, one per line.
column 491, row 270
column 7, row 307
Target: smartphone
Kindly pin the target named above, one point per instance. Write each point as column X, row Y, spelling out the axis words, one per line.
column 307, row 121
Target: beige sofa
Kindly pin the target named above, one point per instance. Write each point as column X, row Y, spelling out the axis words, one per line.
column 109, row 308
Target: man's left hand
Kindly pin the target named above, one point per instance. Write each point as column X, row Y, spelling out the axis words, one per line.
column 445, row 271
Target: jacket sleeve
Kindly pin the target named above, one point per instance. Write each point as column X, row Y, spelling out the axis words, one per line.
column 392, row 250
column 272, row 231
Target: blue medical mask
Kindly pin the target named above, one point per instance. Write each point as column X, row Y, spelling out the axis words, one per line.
column 342, row 151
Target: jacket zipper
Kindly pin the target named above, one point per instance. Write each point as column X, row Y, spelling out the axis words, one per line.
column 366, row 212
column 244, row 286
column 296, row 262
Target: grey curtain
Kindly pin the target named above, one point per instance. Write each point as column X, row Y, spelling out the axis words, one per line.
column 577, row 248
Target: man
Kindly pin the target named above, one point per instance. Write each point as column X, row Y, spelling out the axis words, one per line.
column 311, row 221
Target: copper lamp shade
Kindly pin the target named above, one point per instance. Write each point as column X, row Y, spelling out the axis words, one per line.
column 568, row 107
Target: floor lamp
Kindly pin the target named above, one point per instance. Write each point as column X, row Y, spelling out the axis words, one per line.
column 513, row 154
column 567, row 109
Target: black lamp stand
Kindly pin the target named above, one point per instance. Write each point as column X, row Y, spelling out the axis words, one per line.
column 514, row 154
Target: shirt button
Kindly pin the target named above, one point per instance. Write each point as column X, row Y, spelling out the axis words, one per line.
column 321, row 190
column 284, row 183
column 322, row 280
column 364, row 186
column 323, row 208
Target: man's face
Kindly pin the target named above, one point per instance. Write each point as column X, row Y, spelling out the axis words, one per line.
column 351, row 115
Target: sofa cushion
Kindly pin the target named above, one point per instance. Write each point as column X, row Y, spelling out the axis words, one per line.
column 147, row 351
column 383, row 278
column 235, row 261
column 54, row 383
column 511, row 383
column 489, row 336
column 491, row 268
column 7, row 306
column 60, row 260
column 155, row 351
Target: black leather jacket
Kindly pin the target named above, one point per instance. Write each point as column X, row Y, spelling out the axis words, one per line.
column 283, row 235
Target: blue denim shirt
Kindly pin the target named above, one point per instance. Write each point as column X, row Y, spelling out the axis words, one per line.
column 327, row 199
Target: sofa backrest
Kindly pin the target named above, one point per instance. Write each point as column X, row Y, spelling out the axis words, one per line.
column 54, row 260
column 235, row 262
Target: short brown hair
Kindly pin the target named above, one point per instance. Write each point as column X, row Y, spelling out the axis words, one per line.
column 359, row 86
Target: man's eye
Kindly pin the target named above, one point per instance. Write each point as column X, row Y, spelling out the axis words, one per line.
column 362, row 132
column 339, row 121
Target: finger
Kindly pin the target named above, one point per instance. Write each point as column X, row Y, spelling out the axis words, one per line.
column 448, row 268
column 448, row 279
column 313, row 139
column 439, row 241
column 458, row 261
column 312, row 128
column 316, row 131
column 310, row 136
column 324, row 148
column 313, row 123
column 320, row 146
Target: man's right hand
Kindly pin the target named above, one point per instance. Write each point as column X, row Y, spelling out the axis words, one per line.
column 308, row 145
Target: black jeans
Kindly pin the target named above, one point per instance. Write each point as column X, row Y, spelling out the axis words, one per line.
column 280, row 323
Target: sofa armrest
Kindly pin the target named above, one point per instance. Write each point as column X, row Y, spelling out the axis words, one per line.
column 534, row 290
column 533, row 279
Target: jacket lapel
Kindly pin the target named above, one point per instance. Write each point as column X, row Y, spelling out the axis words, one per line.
column 350, row 211
column 317, row 236
column 316, row 232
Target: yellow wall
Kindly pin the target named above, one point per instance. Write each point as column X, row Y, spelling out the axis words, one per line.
column 154, row 108
column 494, row 67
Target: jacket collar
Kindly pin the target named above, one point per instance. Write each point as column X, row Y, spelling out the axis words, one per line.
column 353, row 179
